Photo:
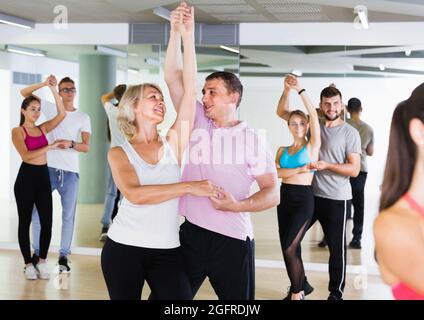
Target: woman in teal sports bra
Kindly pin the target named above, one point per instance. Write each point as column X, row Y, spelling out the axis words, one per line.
column 399, row 228
column 296, row 208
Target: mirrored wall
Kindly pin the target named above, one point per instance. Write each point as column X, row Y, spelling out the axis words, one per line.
column 379, row 76
column 135, row 64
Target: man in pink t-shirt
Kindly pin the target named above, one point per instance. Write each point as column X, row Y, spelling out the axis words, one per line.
column 217, row 235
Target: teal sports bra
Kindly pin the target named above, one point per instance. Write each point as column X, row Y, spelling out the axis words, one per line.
column 299, row 159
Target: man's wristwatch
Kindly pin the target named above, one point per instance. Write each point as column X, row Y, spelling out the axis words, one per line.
column 72, row 144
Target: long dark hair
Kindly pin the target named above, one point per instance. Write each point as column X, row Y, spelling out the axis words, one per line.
column 27, row 101
column 402, row 152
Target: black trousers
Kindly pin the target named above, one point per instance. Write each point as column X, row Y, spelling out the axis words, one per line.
column 295, row 213
column 229, row 263
column 332, row 214
column 126, row 268
column 358, row 186
column 32, row 187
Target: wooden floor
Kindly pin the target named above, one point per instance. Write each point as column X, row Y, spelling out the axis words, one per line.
column 86, row 283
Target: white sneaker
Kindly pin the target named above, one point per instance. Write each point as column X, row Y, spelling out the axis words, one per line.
column 31, row 273
column 43, row 271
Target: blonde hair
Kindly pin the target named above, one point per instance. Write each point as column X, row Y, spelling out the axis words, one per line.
column 126, row 114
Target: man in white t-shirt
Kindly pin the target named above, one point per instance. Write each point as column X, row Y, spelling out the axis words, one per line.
column 63, row 163
column 116, row 138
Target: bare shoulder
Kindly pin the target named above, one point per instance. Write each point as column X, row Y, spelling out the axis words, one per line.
column 17, row 131
column 116, row 154
column 389, row 218
column 398, row 224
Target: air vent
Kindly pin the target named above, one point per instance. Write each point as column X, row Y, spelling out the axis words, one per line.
column 149, row 33
column 227, row 34
column 206, row 34
column 26, row 78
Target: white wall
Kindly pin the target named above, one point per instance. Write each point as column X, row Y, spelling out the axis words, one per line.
column 379, row 98
column 5, row 81
column 343, row 33
column 74, row 33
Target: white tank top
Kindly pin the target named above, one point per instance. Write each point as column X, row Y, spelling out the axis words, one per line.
column 151, row 225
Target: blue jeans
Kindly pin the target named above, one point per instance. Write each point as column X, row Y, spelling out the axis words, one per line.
column 111, row 194
column 66, row 183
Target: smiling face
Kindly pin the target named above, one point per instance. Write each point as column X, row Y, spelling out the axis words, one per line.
column 32, row 111
column 298, row 126
column 67, row 91
column 151, row 106
column 331, row 107
column 217, row 100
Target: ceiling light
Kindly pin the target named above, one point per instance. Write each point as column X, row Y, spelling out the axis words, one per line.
column 408, row 52
column 364, row 19
column 17, row 22
column 349, row 66
column 362, row 13
column 230, row 49
column 111, row 51
column 297, row 73
column 132, row 54
column 162, row 12
column 133, row 70
column 382, row 67
column 27, row 51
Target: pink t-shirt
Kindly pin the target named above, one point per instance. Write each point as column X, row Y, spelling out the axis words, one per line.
column 230, row 158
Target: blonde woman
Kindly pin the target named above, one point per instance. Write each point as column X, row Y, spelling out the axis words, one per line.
column 143, row 242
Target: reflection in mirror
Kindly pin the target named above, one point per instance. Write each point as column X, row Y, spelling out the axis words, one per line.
column 132, row 64
column 365, row 72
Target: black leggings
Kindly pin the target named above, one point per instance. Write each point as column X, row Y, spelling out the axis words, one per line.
column 295, row 212
column 125, row 268
column 116, row 204
column 32, row 186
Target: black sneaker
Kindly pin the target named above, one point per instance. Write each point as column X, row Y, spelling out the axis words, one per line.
column 35, row 259
column 334, row 297
column 307, row 289
column 63, row 264
column 323, row 243
column 355, row 244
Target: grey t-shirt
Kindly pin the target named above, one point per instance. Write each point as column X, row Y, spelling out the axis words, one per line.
column 336, row 144
column 367, row 137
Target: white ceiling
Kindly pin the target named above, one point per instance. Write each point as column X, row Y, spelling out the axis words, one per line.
column 217, row 11
column 311, row 59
